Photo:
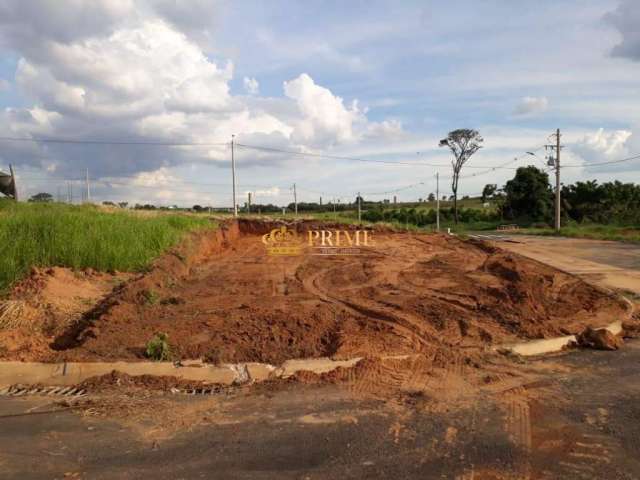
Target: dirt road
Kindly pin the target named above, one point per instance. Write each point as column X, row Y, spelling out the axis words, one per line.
column 614, row 265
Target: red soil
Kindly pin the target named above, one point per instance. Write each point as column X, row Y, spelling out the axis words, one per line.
column 220, row 297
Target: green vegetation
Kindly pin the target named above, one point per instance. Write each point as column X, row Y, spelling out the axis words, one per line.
column 597, row 232
column 158, row 348
column 44, row 235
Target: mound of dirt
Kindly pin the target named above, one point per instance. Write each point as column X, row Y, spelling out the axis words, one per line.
column 46, row 303
column 222, row 298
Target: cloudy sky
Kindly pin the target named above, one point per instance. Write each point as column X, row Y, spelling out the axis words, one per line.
column 146, row 94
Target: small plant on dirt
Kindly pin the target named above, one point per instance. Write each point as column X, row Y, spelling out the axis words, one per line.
column 151, row 297
column 158, row 348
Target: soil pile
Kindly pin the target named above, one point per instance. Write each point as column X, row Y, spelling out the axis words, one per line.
column 224, row 299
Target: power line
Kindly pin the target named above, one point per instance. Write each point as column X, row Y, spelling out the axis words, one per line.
column 355, row 159
column 588, row 165
column 108, row 142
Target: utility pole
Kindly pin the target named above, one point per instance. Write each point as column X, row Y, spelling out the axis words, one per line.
column 334, row 208
column 556, row 163
column 69, row 192
column 249, row 202
column 359, row 208
column 13, row 183
column 88, row 199
column 295, row 199
column 558, row 180
column 233, row 175
column 437, row 201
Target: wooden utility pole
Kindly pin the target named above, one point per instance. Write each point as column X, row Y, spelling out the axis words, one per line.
column 557, row 223
column 233, row 175
column 555, row 162
column 249, row 202
column 437, row 201
column 88, row 199
column 359, row 208
column 295, row 200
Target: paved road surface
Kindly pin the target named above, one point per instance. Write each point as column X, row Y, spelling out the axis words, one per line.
column 581, row 422
column 614, row 265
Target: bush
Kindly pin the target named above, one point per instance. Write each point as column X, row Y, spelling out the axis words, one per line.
column 158, row 348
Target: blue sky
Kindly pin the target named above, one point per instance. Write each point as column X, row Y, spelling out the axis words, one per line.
column 375, row 80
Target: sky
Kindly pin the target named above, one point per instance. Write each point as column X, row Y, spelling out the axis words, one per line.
column 338, row 97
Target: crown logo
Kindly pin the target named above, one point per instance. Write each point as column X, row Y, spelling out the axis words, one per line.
column 281, row 241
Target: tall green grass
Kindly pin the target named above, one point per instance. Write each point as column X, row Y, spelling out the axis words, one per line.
column 85, row 236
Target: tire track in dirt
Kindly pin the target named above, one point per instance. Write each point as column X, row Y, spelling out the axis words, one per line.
column 588, row 455
column 518, row 427
column 403, row 327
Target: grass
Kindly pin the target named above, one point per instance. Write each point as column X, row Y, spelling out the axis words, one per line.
column 596, row 232
column 46, row 235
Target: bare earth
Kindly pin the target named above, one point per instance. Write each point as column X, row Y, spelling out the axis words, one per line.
column 430, row 295
column 614, row 265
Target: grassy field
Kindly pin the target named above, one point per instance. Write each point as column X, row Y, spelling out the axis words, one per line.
column 83, row 237
column 597, row 232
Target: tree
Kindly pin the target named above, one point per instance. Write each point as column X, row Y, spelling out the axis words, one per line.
column 463, row 143
column 42, row 197
column 123, row 204
column 488, row 191
column 529, row 195
column 431, row 197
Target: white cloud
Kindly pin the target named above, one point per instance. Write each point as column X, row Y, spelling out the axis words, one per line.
column 603, row 146
column 143, row 80
column 325, row 119
column 251, row 85
column 530, row 106
column 4, row 85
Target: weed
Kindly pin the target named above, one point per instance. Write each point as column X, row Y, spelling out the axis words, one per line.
column 158, row 348
column 151, row 297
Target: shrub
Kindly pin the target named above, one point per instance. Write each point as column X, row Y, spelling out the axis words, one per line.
column 158, row 348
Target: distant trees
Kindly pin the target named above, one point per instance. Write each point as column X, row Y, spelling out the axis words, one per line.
column 488, row 191
column 528, row 195
column 42, row 197
column 611, row 202
column 463, row 143
column 431, row 197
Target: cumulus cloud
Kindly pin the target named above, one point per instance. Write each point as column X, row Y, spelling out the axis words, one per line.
column 626, row 19
column 138, row 75
column 324, row 117
column 251, row 85
column 603, row 146
column 530, row 106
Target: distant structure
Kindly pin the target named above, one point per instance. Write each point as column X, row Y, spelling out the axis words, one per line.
column 8, row 184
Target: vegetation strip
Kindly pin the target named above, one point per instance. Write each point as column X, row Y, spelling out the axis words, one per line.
column 86, row 236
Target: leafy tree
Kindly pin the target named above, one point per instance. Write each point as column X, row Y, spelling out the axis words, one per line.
column 463, row 143
column 528, row 195
column 488, row 191
column 42, row 197
column 431, row 197
column 123, row 204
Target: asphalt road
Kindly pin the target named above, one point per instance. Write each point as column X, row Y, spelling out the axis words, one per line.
column 614, row 265
column 581, row 421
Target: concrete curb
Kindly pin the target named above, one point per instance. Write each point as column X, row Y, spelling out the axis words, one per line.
column 548, row 345
column 63, row 374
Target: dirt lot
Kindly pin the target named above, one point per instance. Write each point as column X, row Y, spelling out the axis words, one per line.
column 222, row 298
